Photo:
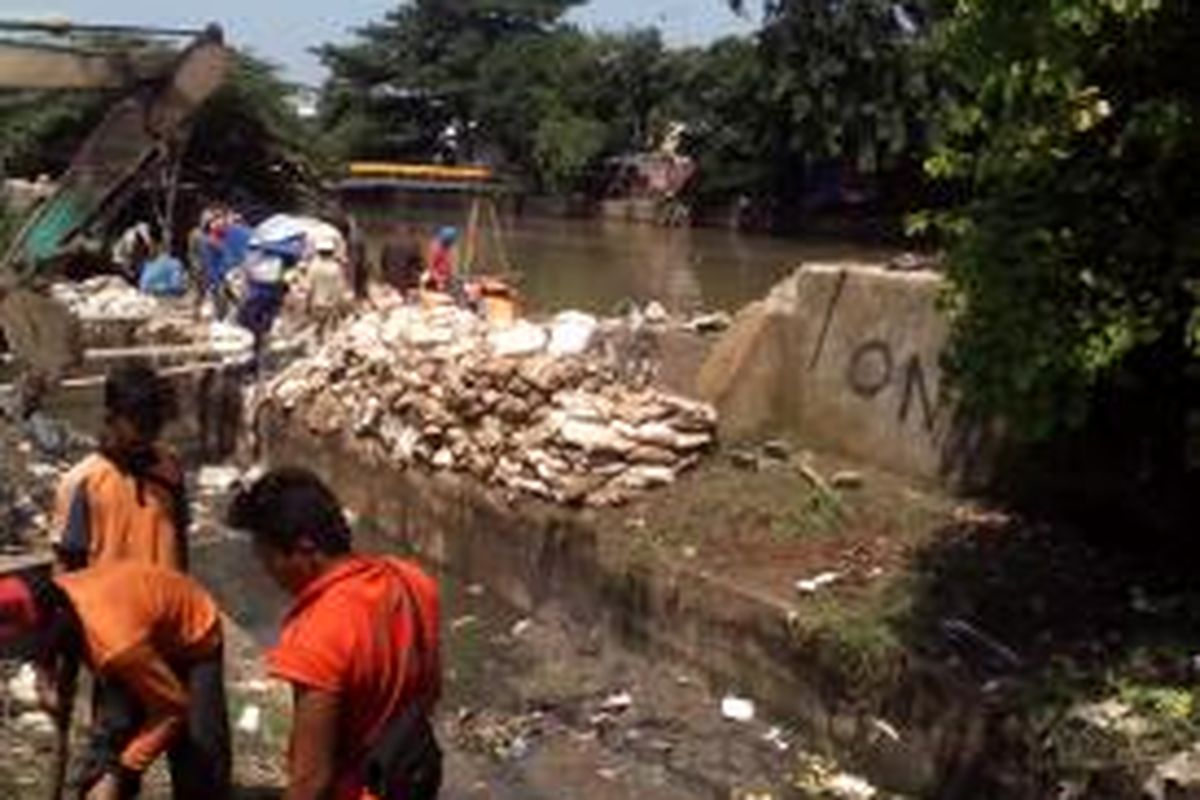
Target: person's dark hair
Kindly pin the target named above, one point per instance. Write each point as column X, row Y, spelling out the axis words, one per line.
column 290, row 504
column 138, row 393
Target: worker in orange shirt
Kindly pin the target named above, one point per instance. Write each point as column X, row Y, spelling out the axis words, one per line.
column 127, row 500
column 124, row 502
column 359, row 647
column 155, row 634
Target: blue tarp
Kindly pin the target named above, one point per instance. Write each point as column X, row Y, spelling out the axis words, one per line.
column 163, row 277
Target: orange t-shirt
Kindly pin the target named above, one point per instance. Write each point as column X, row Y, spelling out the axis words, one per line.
column 102, row 514
column 351, row 633
column 140, row 622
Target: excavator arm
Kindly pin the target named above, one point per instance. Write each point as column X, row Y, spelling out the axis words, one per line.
column 136, row 137
column 47, row 67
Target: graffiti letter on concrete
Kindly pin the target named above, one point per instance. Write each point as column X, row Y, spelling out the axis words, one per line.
column 914, row 381
column 870, row 368
column 829, row 310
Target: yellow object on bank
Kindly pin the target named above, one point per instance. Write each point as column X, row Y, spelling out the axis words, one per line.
column 389, row 169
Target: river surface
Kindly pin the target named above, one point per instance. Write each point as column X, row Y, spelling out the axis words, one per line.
column 598, row 265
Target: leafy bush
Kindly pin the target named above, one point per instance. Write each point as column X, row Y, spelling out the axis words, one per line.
column 1075, row 255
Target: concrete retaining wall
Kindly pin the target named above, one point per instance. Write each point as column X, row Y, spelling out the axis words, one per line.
column 847, row 359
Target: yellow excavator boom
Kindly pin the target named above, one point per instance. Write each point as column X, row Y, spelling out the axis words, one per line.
column 46, row 67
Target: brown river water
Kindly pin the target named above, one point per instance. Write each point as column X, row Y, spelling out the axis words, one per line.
column 598, row 265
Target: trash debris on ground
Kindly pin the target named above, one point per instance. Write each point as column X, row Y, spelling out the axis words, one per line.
column 817, row 582
column 35, row 723
column 709, row 323
column 504, row 737
column 250, row 720
column 776, row 738
column 979, row 647
column 744, row 460
column 520, row 627
column 738, row 709
column 777, row 449
column 22, row 687
column 1111, row 716
column 821, row 777
column 885, row 729
column 217, row 480
column 616, row 703
column 655, row 313
column 827, row 492
column 847, row 480
column 443, row 390
column 1176, row 777
column 253, row 686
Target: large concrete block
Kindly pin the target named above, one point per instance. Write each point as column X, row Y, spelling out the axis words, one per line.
column 847, row 358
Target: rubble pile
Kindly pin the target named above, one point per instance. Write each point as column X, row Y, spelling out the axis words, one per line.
column 528, row 409
column 34, row 454
column 106, row 297
column 114, row 314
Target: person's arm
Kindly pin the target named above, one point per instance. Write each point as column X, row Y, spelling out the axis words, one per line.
column 73, row 528
column 311, row 773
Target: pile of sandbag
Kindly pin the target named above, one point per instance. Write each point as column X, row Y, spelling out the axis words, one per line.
column 527, row 408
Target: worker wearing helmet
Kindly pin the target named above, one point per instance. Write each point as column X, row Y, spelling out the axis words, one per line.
column 442, row 257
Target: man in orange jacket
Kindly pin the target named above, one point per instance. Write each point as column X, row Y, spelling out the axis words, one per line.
column 155, row 635
column 126, row 500
column 359, row 646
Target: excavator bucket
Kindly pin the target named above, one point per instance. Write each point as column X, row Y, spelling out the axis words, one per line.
column 41, row 332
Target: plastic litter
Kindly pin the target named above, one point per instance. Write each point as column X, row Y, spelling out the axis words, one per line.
column 616, row 703
column 738, row 709
column 250, row 720
column 22, row 687
column 38, row 723
column 818, row 582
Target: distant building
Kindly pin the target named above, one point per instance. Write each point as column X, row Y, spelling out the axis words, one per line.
column 305, row 101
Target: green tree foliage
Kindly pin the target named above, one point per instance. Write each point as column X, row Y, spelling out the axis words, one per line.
column 39, row 132
column 722, row 99
column 248, row 140
column 843, row 82
column 848, row 78
column 524, row 89
column 429, row 63
column 1076, row 258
